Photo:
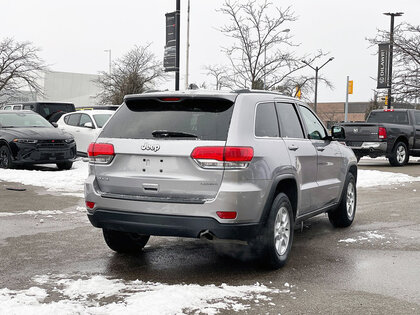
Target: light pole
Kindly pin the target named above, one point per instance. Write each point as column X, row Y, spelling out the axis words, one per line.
column 316, row 78
column 188, row 47
column 287, row 30
column 110, row 62
column 391, row 52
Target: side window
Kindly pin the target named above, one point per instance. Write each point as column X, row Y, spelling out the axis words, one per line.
column 17, row 107
column 73, row 120
column 290, row 125
column 417, row 117
column 31, row 107
column 266, row 124
column 7, row 107
column 313, row 125
column 84, row 119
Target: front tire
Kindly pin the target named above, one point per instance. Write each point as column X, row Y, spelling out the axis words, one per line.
column 399, row 155
column 343, row 215
column 124, row 242
column 277, row 237
column 64, row 165
column 5, row 157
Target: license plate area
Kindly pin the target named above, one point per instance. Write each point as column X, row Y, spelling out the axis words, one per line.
column 155, row 165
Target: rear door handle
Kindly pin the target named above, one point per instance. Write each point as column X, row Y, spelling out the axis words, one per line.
column 320, row 149
column 293, row 147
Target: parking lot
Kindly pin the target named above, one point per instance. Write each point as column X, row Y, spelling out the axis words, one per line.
column 53, row 259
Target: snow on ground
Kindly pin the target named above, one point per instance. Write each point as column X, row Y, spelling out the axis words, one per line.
column 101, row 295
column 365, row 236
column 69, row 182
column 31, row 212
column 371, row 178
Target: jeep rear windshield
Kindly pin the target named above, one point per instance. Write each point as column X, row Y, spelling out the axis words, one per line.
column 388, row 117
column 171, row 118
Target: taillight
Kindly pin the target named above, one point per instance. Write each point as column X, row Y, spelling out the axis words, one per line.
column 382, row 133
column 101, row 153
column 223, row 157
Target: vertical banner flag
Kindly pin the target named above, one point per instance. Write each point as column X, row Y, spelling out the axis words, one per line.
column 383, row 66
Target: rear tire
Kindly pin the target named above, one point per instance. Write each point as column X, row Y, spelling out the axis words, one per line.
column 276, row 240
column 343, row 215
column 399, row 155
column 5, row 157
column 64, row 165
column 124, row 242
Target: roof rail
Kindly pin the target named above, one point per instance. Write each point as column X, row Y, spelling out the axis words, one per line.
column 257, row 91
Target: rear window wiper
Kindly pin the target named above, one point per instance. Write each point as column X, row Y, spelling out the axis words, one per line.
column 172, row 134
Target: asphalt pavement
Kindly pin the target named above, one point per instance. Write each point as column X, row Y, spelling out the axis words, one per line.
column 373, row 267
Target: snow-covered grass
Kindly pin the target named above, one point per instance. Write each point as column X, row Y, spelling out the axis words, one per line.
column 100, row 295
column 69, row 182
column 371, row 178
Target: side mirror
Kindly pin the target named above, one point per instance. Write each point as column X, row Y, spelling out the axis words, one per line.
column 54, row 124
column 337, row 132
column 88, row 125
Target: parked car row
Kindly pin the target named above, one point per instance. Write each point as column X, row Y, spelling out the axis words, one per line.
column 28, row 136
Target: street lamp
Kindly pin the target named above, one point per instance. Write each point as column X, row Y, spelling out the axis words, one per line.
column 316, row 78
column 391, row 52
column 109, row 55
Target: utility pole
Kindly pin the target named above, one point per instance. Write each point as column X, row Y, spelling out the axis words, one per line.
column 346, row 107
column 391, row 52
column 316, row 78
column 178, row 28
column 109, row 60
column 188, row 47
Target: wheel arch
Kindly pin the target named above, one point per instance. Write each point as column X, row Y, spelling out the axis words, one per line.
column 286, row 184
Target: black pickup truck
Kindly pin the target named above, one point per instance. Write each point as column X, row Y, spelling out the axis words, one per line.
column 394, row 134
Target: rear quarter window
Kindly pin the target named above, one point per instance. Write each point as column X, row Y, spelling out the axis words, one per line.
column 206, row 118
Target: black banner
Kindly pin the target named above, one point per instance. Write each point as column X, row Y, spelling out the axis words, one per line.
column 169, row 58
column 383, row 66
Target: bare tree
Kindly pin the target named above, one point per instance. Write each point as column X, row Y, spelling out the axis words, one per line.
column 261, row 55
column 406, row 63
column 219, row 74
column 137, row 71
column 20, row 68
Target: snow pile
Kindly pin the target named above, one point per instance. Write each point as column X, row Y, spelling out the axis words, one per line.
column 100, row 295
column 371, row 178
column 366, row 236
column 66, row 181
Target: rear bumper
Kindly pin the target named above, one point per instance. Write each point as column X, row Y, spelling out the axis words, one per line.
column 370, row 148
column 170, row 225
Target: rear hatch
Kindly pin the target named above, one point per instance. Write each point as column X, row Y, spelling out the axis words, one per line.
column 153, row 138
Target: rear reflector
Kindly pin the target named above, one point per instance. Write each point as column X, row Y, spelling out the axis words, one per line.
column 90, row 204
column 226, row 214
column 101, row 153
column 223, row 157
column 382, row 133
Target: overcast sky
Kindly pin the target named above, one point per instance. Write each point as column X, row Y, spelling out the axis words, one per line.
column 74, row 34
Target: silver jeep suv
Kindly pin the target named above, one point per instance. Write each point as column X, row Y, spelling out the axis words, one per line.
column 244, row 165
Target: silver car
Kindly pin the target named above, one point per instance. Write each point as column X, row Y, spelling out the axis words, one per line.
column 244, row 165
